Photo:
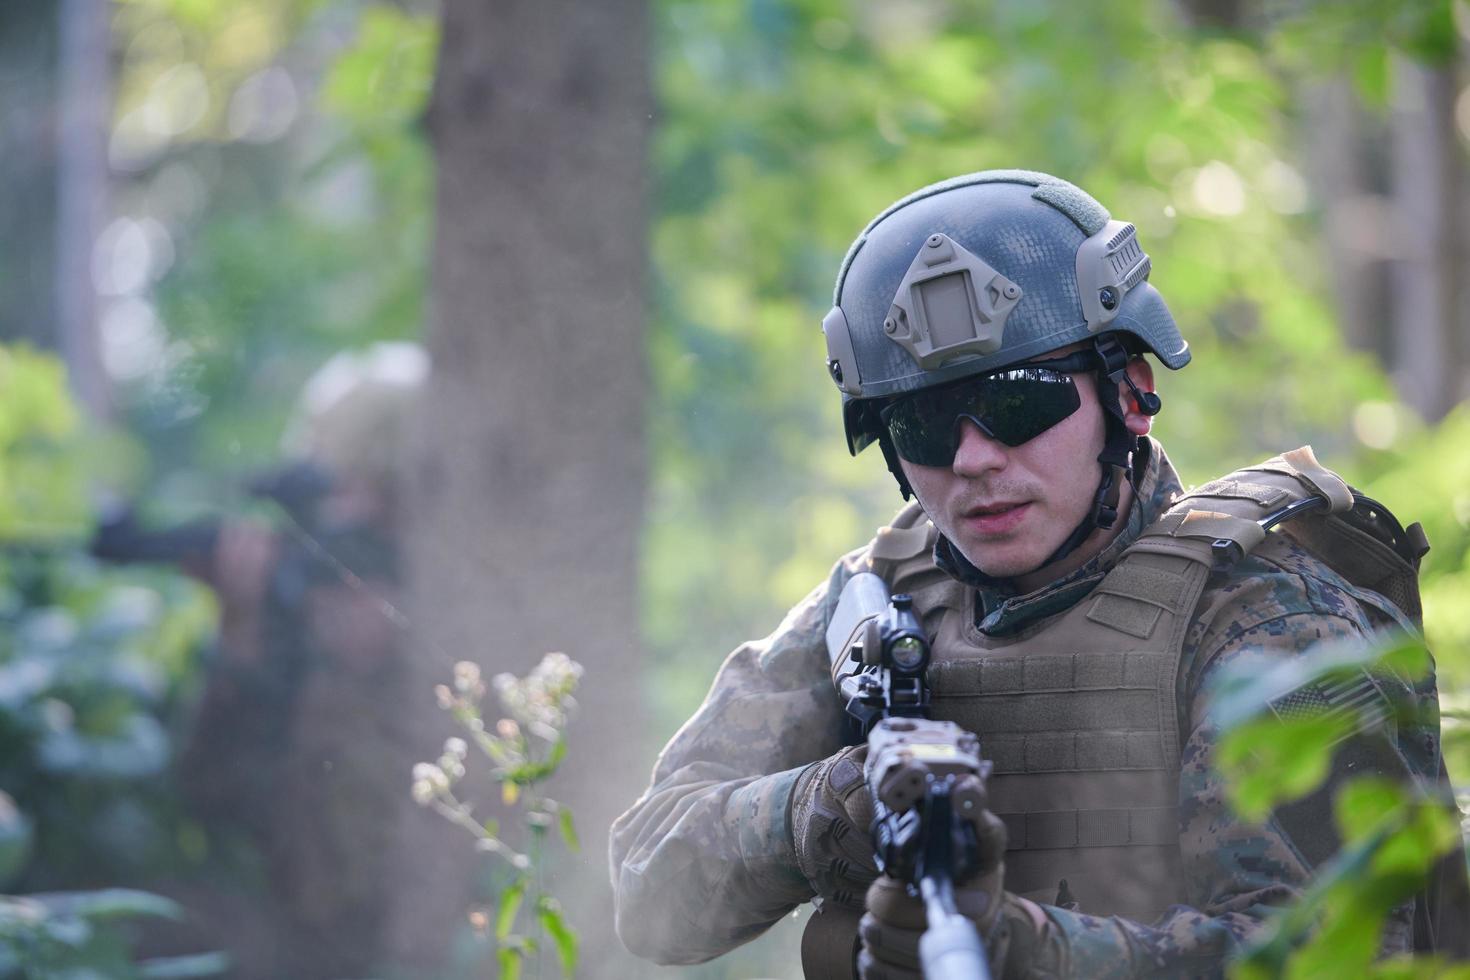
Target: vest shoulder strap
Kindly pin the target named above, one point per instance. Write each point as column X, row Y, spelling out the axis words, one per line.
column 908, row 536
column 1356, row 537
column 902, row 554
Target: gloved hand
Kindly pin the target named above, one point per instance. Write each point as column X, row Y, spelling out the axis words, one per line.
column 896, row 918
column 831, row 820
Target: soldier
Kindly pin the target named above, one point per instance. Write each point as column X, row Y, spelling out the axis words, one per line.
column 295, row 742
column 988, row 334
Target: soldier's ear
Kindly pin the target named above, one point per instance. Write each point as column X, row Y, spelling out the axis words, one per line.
column 1142, row 375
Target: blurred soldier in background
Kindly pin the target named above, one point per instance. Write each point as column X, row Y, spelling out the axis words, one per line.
column 291, row 744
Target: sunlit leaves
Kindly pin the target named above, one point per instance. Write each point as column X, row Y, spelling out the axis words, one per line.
column 1392, row 838
column 1393, row 827
column 42, row 479
column 1268, row 761
column 383, row 80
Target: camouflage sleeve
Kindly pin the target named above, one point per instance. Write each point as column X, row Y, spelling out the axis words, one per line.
column 1236, row 872
column 703, row 861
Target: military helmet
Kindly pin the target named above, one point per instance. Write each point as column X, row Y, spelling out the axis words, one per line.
column 353, row 414
column 979, row 272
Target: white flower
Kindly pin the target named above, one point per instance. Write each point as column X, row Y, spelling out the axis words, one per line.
column 466, row 677
column 427, row 772
column 423, row 792
column 507, row 728
column 456, row 747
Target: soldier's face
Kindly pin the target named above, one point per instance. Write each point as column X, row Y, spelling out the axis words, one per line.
column 1007, row 508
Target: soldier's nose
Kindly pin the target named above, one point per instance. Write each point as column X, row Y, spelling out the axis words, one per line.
column 976, row 452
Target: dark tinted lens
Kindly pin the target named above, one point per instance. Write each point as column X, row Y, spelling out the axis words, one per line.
column 1012, row 406
column 1021, row 404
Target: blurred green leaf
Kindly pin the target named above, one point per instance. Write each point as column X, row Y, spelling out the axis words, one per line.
column 15, row 839
column 510, row 959
column 507, row 908
column 383, row 80
column 110, row 903
column 182, row 967
column 1269, row 761
column 568, row 831
column 549, row 913
column 1365, row 805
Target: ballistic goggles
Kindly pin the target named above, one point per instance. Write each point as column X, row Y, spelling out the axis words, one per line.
column 1013, row 405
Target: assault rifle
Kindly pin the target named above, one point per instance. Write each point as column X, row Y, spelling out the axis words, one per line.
column 926, row 777
column 297, row 488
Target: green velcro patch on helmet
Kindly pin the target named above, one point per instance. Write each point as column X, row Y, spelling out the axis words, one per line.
column 1066, row 197
column 1075, row 203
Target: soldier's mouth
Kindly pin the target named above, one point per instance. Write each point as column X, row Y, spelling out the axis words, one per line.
column 982, row 510
column 997, row 517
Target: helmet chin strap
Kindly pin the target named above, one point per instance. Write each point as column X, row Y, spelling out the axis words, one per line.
column 1118, row 446
column 890, row 456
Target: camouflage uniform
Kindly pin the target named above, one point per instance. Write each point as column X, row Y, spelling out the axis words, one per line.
column 704, row 860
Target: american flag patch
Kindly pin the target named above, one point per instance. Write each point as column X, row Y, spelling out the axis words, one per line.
column 1356, row 698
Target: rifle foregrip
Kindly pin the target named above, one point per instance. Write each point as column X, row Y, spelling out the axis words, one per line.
column 950, row 949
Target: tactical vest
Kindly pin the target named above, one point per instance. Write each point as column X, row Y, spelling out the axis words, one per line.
column 1079, row 712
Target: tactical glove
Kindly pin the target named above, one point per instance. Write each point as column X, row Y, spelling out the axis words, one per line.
column 831, row 819
column 1010, row 927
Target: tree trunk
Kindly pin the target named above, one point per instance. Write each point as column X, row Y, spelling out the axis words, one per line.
column 530, row 478
column 29, row 72
column 53, row 166
column 1348, row 178
column 81, row 188
column 1426, row 180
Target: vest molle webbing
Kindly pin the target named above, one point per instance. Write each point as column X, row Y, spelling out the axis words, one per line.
column 1079, row 712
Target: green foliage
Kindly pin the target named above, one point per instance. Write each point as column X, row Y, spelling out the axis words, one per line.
column 563, row 937
column 1268, row 761
column 382, row 82
column 282, row 245
column 1424, row 476
column 16, row 836
column 42, row 490
column 66, row 935
column 1392, row 831
column 1360, row 36
column 90, row 663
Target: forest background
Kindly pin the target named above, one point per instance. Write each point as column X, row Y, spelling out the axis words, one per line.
column 615, row 228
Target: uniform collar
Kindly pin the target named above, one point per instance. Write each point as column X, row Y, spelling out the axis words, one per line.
column 1001, row 611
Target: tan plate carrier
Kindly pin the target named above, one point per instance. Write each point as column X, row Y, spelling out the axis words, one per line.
column 1079, row 713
